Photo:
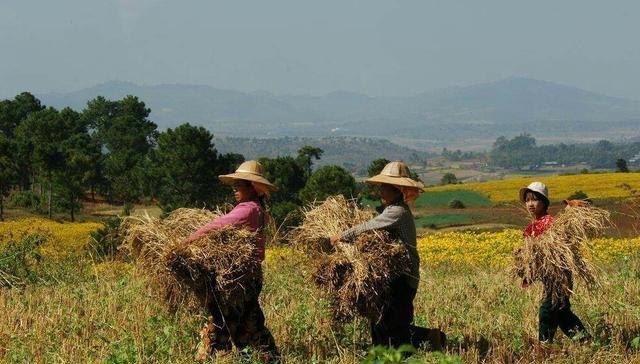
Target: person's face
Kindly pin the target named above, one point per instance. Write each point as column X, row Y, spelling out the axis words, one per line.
column 389, row 194
column 243, row 190
column 535, row 206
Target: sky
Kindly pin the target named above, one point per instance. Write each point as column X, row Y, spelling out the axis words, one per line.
column 375, row 47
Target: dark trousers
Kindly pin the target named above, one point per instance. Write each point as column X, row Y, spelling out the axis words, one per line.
column 551, row 316
column 394, row 326
column 242, row 326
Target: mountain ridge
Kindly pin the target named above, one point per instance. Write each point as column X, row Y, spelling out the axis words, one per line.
column 510, row 101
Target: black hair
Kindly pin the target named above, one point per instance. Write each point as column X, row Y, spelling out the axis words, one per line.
column 540, row 197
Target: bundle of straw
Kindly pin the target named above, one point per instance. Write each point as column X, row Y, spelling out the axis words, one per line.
column 222, row 263
column 556, row 256
column 356, row 276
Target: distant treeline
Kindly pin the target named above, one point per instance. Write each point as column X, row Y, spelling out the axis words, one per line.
column 351, row 153
column 521, row 152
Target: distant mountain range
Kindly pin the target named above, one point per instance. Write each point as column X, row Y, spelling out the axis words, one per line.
column 488, row 110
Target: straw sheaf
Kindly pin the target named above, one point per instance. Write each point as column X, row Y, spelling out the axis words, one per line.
column 556, row 257
column 355, row 276
column 221, row 265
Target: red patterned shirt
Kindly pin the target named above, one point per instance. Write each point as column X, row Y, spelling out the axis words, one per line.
column 538, row 226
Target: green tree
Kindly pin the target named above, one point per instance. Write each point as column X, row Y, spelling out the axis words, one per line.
column 368, row 191
column 126, row 135
column 376, row 166
column 8, row 170
column 188, row 168
column 12, row 112
column 41, row 134
column 515, row 153
column 287, row 174
column 305, row 158
column 448, row 179
column 328, row 181
column 73, row 179
column 621, row 166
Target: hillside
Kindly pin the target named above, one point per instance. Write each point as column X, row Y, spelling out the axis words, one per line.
column 484, row 110
column 352, row 153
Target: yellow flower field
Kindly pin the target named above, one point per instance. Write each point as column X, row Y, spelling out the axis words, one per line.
column 495, row 249
column 457, row 249
column 600, row 185
column 63, row 238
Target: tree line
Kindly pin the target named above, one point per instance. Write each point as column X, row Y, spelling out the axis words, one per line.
column 522, row 152
column 111, row 150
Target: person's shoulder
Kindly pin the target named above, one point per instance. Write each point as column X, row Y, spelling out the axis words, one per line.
column 397, row 209
column 253, row 206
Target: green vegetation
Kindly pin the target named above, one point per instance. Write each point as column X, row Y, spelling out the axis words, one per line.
column 456, row 204
column 522, row 152
column 445, row 219
column 119, row 318
column 442, row 198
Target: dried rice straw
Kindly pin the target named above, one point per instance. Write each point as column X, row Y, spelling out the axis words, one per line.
column 556, row 256
column 222, row 263
column 355, row 276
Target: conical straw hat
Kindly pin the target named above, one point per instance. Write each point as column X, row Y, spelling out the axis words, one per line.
column 251, row 171
column 395, row 173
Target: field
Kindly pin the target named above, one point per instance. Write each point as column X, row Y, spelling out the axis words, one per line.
column 106, row 312
column 596, row 186
column 442, row 198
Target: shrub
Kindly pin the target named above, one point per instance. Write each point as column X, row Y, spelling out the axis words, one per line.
column 24, row 199
column 456, row 204
column 19, row 261
column 105, row 241
column 286, row 212
column 579, row 195
column 449, row 179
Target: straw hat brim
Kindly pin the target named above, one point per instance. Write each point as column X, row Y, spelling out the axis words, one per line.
column 396, row 181
column 229, row 178
column 523, row 194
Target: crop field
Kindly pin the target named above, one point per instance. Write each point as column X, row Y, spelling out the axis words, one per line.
column 445, row 219
column 80, row 309
column 442, row 198
column 596, row 186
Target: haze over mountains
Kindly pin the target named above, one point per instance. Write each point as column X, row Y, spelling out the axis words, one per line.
column 482, row 111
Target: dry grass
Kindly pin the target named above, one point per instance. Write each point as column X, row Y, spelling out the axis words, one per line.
column 221, row 265
column 556, row 257
column 356, row 276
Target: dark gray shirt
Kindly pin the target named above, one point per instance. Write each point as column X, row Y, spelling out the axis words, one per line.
column 397, row 219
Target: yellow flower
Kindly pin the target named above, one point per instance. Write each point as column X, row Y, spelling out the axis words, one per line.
column 595, row 185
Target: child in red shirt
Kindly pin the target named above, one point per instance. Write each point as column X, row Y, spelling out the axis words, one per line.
column 536, row 199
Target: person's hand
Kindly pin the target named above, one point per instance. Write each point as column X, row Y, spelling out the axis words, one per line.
column 576, row 203
column 334, row 239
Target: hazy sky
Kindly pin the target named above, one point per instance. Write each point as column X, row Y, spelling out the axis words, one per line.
column 378, row 47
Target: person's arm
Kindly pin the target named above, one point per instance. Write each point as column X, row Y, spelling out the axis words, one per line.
column 237, row 216
column 388, row 218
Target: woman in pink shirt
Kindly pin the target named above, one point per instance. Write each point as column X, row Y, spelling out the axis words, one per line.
column 243, row 326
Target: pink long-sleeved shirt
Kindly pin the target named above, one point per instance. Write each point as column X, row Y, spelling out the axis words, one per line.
column 248, row 214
